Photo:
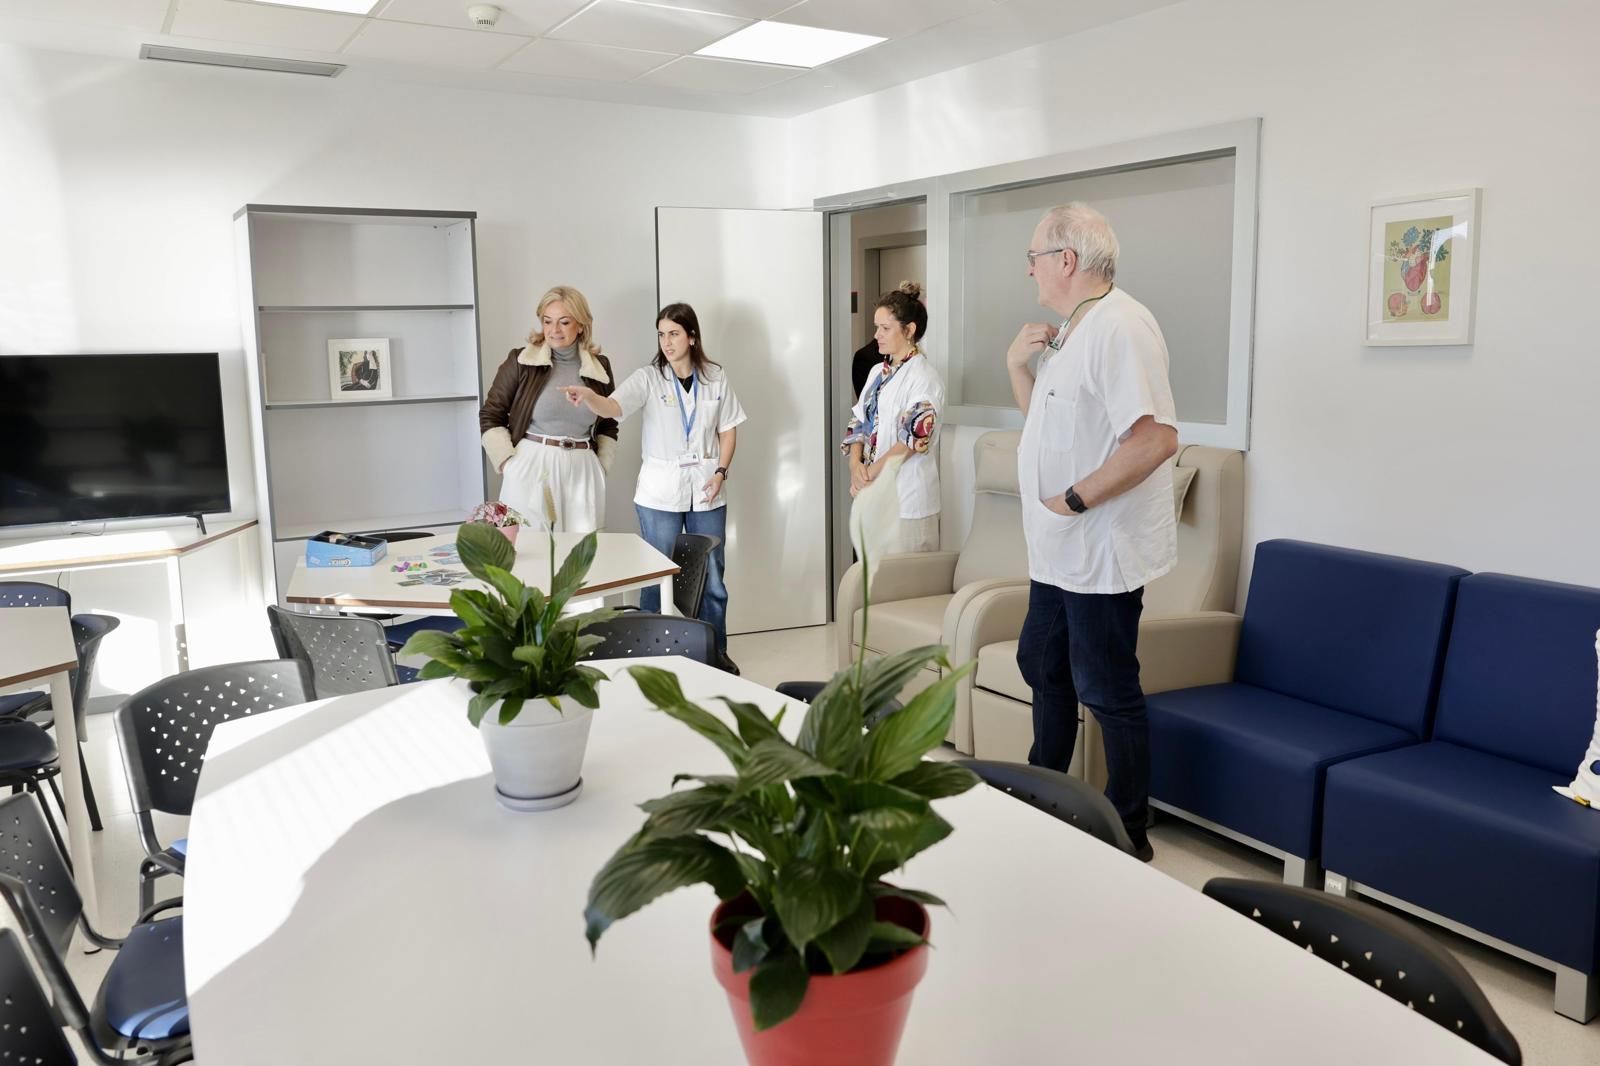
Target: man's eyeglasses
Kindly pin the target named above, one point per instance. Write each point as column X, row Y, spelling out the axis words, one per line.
column 1048, row 251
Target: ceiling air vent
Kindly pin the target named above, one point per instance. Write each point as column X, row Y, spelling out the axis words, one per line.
column 227, row 59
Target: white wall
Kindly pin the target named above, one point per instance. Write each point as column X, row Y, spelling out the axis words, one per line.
column 121, row 179
column 1483, row 456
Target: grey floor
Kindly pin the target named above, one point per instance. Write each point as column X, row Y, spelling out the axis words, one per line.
column 1520, row 993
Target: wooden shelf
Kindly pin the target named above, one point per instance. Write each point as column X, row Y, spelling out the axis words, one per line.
column 318, row 309
column 310, row 405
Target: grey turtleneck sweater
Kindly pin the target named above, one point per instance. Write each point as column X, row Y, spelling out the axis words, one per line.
column 553, row 414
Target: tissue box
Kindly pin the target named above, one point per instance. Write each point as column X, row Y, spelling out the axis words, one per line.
column 344, row 549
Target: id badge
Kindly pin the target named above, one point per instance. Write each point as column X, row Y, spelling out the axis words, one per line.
column 689, row 459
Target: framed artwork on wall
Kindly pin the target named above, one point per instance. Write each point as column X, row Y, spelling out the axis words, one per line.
column 359, row 369
column 1422, row 268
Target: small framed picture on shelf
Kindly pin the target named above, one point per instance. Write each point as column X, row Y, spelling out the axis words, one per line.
column 1422, row 267
column 359, row 369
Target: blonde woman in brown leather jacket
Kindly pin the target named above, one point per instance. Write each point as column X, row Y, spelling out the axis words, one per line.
column 534, row 437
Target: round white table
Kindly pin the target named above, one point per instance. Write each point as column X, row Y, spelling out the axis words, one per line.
column 356, row 894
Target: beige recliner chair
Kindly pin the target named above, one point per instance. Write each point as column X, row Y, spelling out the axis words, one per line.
column 1180, row 641
column 923, row 598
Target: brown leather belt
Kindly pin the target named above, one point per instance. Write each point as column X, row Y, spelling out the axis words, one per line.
column 557, row 442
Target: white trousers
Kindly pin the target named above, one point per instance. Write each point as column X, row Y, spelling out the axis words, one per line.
column 573, row 475
column 918, row 535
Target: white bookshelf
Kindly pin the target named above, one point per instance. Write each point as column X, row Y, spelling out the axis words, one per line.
column 410, row 460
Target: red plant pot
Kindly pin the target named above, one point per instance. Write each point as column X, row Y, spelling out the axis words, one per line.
column 852, row 1019
column 510, row 532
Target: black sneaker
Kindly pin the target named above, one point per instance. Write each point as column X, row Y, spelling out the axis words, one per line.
column 727, row 665
column 1144, row 852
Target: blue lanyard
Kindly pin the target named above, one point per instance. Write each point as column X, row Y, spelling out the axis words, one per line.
column 683, row 413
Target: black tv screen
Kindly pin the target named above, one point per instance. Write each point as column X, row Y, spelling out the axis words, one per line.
column 89, row 438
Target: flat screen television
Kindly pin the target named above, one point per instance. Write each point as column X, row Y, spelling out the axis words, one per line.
column 90, row 438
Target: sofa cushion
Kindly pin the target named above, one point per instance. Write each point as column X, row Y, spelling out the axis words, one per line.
column 1349, row 630
column 998, row 671
column 1473, row 837
column 900, row 625
column 1253, row 760
column 1519, row 675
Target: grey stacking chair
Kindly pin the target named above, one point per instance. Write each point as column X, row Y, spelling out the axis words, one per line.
column 165, row 729
column 1377, row 948
column 637, row 634
column 141, row 1006
column 1059, row 795
column 28, row 594
column 346, row 654
column 28, row 1031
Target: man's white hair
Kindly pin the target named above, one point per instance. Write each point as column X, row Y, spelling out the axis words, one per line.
column 1086, row 231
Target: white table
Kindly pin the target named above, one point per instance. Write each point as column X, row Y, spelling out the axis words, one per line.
column 355, row 894
column 622, row 562
column 36, row 645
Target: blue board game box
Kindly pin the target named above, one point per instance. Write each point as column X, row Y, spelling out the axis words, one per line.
column 344, row 549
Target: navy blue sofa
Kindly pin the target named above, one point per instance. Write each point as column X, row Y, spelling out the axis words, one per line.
column 1340, row 653
column 1465, row 827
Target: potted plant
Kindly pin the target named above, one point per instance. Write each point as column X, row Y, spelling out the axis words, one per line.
column 818, row 953
column 520, row 658
column 500, row 516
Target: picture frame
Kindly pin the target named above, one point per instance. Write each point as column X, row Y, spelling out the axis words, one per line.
column 359, row 370
column 1422, row 269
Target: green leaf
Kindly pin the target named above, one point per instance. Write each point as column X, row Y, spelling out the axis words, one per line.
column 581, row 689
column 855, row 796
column 754, row 726
column 586, row 643
column 927, row 899
column 477, row 609
column 889, row 935
column 846, row 942
column 686, row 812
column 661, row 688
column 885, row 678
column 900, row 741
column 892, row 849
column 432, row 643
column 832, row 727
column 483, row 546
column 510, row 709
column 757, row 873
column 888, row 819
column 477, row 707
column 749, row 946
column 777, row 989
column 532, row 654
column 811, row 898
column 644, row 871
column 433, row 670
column 574, row 567
column 508, row 586
column 775, row 761
column 936, row 780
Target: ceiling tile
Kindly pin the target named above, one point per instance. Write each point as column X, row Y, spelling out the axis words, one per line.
column 658, row 29
column 262, row 26
column 530, row 17
column 699, row 74
column 142, row 14
column 591, row 62
column 881, row 18
column 409, row 43
column 750, row 9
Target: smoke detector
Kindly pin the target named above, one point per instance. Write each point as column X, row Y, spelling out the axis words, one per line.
column 483, row 15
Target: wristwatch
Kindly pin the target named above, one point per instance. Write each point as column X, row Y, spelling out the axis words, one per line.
column 1073, row 501
column 723, row 471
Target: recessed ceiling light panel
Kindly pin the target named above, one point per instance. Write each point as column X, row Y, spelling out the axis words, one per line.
column 788, row 45
column 344, row 7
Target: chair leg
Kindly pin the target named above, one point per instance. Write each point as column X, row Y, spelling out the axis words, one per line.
column 88, row 794
column 50, row 820
column 147, row 886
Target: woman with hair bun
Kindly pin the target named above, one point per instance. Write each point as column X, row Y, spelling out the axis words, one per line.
column 898, row 413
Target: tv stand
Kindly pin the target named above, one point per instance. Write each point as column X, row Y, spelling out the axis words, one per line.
column 200, row 520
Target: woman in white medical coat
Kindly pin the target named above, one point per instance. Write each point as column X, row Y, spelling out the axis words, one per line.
column 898, row 413
column 689, row 413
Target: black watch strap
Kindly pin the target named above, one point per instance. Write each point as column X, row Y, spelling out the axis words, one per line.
column 1075, row 502
column 723, row 471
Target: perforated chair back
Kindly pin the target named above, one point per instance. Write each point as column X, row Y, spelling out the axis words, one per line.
column 692, row 553
column 29, row 1033
column 1059, row 795
column 345, row 654
column 87, row 632
column 165, row 728
column 1378, row 948
column 33, row 594
column 638, row 634
column 28, row 854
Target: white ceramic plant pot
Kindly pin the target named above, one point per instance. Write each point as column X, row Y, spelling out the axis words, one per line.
column 538, row 758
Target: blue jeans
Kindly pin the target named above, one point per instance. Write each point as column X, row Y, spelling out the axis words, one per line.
column 1081, row 648
column 660, row 529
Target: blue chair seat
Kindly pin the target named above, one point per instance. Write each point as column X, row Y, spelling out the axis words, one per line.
column 1475, row 837
column 24, row 746
column 142, row 997
column 20, row 704
column 1253, row 760
column 405, row 674
column 179, row 848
